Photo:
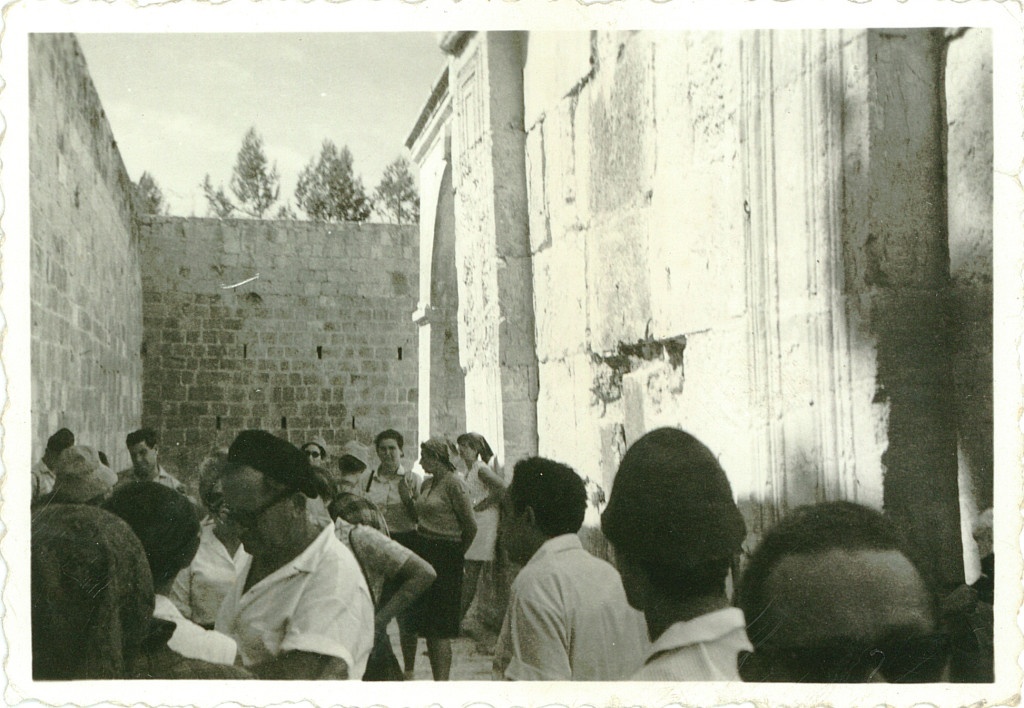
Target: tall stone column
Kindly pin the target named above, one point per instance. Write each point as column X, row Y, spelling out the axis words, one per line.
column 496, row 328
column 897, row 280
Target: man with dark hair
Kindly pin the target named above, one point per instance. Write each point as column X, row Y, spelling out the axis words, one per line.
column 393, row 489
column 43, row 476
column 567, row 618
column 168, row 527
column 301, row 608
column 143, row 446
column 833, row 595
column 675, row 527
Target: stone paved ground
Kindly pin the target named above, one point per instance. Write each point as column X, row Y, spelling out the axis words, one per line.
column 469, row 661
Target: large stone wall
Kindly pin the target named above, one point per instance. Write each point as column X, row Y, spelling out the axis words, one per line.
column 322, row 343
column 968, row 86
column 740, row 234
column 86, row 296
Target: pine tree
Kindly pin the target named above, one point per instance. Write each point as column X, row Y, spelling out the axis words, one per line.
column 328, row 190
column 396, row 197
column 217, row 202
column 149, row 197
column 255, row 186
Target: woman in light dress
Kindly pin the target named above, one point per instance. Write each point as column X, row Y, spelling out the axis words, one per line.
column 485, row 483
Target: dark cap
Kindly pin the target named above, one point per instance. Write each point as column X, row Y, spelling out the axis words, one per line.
column 276, row 458
column 60, row 441
column 671, row 503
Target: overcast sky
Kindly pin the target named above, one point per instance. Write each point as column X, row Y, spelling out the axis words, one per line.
column 179, row 104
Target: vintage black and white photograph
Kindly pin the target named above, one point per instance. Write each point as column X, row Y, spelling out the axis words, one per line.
column 586, row 353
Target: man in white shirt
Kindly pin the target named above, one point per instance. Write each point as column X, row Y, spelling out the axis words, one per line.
column 676, row 530
column 301, row 608
column 143, row 446
column 568, row 617
column 43, row 476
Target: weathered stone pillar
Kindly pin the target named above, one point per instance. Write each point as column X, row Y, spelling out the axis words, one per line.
column 493, row 249
column 896, row 263
column 442, row 407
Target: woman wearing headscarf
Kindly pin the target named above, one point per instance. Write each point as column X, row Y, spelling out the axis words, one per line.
column 445, row 529
column 92, row 603
column 485, row 486
column 199, row 589
column 395, row 575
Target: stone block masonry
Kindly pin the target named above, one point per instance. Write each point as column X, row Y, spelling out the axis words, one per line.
column 85, row 289
column 321, row 343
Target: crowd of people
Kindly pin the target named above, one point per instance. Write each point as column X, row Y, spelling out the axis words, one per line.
column 292, row 564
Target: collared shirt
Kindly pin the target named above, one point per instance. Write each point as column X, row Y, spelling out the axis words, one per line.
column 162, row 477
column 705, row 648
column 384, row 493
column 380, row 557
column 316, row 512
column 43, row 479
column 199, row 589
column 568, row 618
column 318, row 602
column 192, row 641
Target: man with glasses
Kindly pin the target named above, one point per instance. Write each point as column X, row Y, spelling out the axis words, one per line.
column 832, row 595
column 301, row 608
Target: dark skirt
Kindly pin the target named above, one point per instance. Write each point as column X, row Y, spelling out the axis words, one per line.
column 438, row 611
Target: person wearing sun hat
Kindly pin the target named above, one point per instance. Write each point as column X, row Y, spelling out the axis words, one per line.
column 301, row 608
column 79, row 478
column 351, row 464
column 675, row 527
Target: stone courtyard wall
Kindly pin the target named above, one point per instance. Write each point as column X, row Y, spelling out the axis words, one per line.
column 322, row 343
column 85, row 288
column 737, row 234
column 968, row 86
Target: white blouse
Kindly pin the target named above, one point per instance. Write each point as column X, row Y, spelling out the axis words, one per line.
column 200, row 588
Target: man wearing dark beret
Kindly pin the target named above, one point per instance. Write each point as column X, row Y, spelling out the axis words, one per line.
column 301, row 608
column 676, row 529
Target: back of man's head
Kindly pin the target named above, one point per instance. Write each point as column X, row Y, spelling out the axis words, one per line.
column 554, row 491
column 60, row 441
column 164, row 520
column 671, row 510
column 146, row 435
column 847, row 591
